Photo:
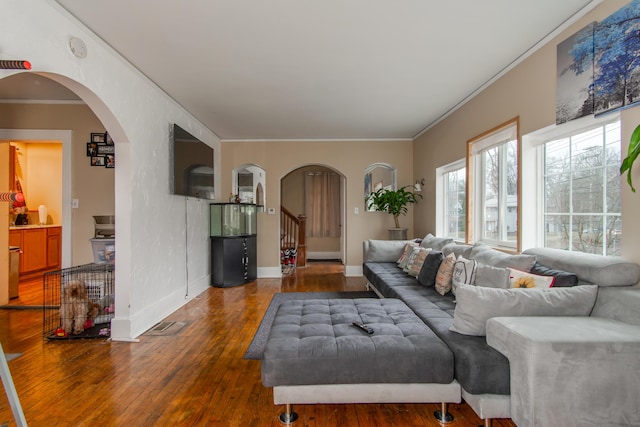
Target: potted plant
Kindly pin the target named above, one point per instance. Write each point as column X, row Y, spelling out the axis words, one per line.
column 394, row 202
column 632, row 155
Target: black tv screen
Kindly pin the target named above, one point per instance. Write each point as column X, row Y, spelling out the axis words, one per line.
column 192, row 165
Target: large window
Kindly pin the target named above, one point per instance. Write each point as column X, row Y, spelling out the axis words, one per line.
column 493, row 160
column 451, row 194
column 582, row 191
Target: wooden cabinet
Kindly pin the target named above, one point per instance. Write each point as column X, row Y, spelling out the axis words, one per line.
column 54, row 247
column 40, row 248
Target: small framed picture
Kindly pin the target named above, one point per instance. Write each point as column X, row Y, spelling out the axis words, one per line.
column 110, row 161
column 92, row 149
column 97, row 161
column 107, row 139
column 105, row 149
column 97, row 138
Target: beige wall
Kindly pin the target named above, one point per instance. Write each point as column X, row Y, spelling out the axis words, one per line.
column 527, row 91
column 40, row 175
column 92, row 186
column 349, row 158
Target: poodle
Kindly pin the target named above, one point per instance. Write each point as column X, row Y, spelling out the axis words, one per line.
column 74, row 307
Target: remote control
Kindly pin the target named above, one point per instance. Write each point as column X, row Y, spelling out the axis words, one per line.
column 365, row 328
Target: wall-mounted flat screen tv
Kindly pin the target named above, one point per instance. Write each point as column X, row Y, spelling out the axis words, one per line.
column 192, row 165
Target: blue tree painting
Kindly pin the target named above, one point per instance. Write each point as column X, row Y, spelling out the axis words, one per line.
column 612, row 54
column 574, row 89
column 617, row 59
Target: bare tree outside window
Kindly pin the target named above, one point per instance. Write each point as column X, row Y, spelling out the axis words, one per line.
column 582, row 191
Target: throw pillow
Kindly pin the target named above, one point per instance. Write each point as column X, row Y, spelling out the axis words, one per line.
column 520, row 279
column 417, row 260
column 444, row 275
column 404, row 258
column 427, row 275
column 476, row 304
column 492, row 277
column 562, row 279
column 464, row 272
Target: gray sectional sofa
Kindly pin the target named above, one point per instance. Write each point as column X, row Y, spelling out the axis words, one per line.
column 565, row 356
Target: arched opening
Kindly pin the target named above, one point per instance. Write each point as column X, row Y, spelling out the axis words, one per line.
column 316, row 192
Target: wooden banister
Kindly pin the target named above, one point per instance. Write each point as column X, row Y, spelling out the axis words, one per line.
column 293, row 235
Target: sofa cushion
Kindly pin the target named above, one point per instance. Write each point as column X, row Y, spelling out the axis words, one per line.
column 427, row 275
column 384, row 250
column 445, row 274
column 457, row 250
column 487, row 255
column 591, row 269
column 476, row 304
column 561, row 279
column 435, row 243
column 492, row 277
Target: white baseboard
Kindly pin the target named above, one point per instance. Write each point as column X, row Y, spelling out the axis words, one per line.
column 323, row 255
column 353, row 270
column 269, row 272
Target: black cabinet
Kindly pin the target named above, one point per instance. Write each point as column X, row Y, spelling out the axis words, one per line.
column 233, row 244
column 233, row 260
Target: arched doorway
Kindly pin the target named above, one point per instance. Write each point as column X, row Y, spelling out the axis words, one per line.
column 318, row 192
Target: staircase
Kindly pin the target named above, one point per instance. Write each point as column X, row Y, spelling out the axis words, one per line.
column 293, row 248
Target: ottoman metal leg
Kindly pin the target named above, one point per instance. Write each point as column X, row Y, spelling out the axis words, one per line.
column 289, row 416
column 443, row 414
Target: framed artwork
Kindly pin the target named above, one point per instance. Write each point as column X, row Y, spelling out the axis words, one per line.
column 107, row 139
column 98, row 161
column 97, row 138
column 110, row 161
column 92, row 149
column 104, row 149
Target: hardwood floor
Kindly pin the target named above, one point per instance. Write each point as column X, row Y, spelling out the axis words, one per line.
column 196, row 377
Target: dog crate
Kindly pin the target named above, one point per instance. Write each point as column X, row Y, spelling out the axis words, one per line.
column 79, row 302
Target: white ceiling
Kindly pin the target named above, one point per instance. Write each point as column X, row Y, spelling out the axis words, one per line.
column 321, row 69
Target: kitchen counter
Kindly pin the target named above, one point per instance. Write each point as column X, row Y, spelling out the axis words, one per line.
column 30, row 226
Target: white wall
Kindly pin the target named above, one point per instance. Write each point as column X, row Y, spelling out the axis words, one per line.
column 153, row 228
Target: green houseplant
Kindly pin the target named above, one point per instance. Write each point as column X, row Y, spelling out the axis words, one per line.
column 394, row 202
column 632, row 155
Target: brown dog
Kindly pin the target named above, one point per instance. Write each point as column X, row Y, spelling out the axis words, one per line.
column 74, row 306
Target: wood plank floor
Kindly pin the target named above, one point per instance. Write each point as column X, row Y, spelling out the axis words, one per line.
column 196, row 377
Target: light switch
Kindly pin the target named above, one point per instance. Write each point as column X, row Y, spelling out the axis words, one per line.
column 356, row 211
column 75, row 203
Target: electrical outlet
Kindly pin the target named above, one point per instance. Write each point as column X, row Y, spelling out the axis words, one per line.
column 356, row 211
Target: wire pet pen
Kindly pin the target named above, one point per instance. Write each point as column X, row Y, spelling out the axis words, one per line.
column 79, row 302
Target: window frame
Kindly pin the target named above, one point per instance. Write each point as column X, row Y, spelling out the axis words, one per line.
column 442, row 193
column 533, row 173
column 476, row 146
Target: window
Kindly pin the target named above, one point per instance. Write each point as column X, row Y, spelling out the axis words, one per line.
column 582, row 204
column 451, row 196
column 493, row 186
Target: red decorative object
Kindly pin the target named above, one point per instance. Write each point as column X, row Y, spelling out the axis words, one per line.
column 15, row 65
column 61, row 333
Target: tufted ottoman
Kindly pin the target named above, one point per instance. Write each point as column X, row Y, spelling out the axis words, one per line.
column 315, row 355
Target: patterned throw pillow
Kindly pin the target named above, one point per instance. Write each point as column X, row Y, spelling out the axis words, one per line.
column 417, row 260
column 445, row 273
column 404, row 258
column 464, row 272
column 520, row 279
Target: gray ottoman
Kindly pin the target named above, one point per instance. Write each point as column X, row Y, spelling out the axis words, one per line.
column 315, row 355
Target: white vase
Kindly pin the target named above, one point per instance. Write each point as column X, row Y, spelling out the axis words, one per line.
column 42, row 214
